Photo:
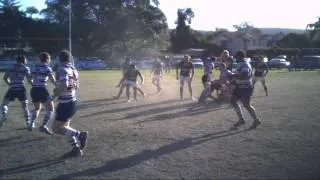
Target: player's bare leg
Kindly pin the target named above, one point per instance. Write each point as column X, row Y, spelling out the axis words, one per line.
column 237, row 108
column 128, row 93
column 48, row 115
column 252, row 112
column 265, row 86
column 190, row 90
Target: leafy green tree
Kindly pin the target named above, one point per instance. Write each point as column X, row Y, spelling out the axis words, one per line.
column 314, row 30
column 99, row 25
column 182, row 37
column 31, row 11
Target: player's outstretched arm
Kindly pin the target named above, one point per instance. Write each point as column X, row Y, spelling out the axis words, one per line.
column 29, row 76
column 177, row 72
column 192, row 71
column 60, row 88
column 120, row 82
column 6, row 78
column 141, row 77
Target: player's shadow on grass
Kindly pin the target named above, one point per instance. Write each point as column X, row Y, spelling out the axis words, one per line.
column 11, row 141
column 30, row 167
column 99, row 102
column 130, row 108
column 156, row 110
column 191, row 111
column 130, row 161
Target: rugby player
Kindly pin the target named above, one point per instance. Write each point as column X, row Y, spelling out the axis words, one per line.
column 130, row 80
column 125, row 67
column 156, row 74
column 260, row 73
column 243, row 90
column 39, row 92
column 186, row 74
column 14, row 78
column 67, row 83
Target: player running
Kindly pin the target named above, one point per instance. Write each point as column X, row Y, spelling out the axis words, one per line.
column 130, row 80
column 67, row 84
column 186, row 74
column 14, row 78
column 125, row 67
column 156, row 74
column 39, row 92
column 261, row 71
column 243, row 90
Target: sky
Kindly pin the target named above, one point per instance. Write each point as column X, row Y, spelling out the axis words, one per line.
column 212, row 14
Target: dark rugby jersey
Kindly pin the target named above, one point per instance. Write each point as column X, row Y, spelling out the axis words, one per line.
column 157, row 68
column 40, row 75
column 185, row 68
column 260, row 69
column 131, row 75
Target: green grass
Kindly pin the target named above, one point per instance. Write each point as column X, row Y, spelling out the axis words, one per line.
column 165, row 138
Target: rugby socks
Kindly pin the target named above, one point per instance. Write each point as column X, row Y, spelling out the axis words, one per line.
column 73, row 141
column 34, row 115
column 47, row 117
column 26, row 112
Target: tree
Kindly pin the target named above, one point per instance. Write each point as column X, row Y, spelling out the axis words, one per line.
column 31, row 11
column 314, row 30
column 100, row 25
column 182, row 37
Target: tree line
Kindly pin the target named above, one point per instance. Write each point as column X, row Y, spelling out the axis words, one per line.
column 113, row 28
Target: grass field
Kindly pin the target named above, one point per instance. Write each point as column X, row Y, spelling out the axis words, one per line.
column 161, row 137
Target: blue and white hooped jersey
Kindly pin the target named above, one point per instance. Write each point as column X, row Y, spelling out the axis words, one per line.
column 40, row 75
column 244, row 68
column 67, row 72
column 17, row 75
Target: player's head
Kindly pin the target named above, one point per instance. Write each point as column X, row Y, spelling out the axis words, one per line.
column 128, row 59
column 132, row 66
column 65, row 56
column 22, row 60
column 186, row 58
column 44, row 57
column 240, row 55
column 260, row 59
column 222, row 66
column 225, row 54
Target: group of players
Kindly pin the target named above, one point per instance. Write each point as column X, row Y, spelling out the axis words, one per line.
column 240, row 84
column 65, row 81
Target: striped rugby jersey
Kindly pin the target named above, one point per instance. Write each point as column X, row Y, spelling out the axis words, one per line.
column 244, row 67
column 16, row 76
column 40, row 75
column 67, row 72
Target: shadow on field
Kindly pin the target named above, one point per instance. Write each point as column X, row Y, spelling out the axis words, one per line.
column 117, row 110
column 130, row 161
column 99, row 102
column 196, row 109
column 11, row 141
column 30, row 167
